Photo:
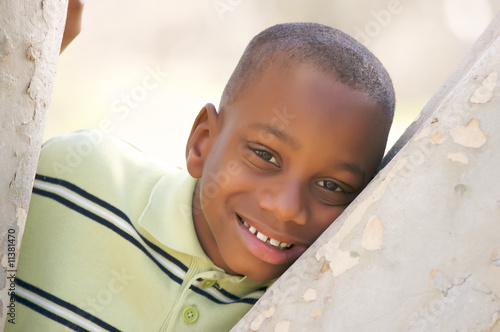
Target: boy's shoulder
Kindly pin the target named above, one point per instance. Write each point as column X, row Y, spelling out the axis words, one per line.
column 87, row 149
column 101, row 164
column 92, row 154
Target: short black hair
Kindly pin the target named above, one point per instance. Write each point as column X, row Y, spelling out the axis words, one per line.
column 327, row 48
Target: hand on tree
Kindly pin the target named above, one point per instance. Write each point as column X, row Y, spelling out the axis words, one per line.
column 73, row 22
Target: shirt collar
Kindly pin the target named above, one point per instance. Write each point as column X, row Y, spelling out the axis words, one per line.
column 168, row 216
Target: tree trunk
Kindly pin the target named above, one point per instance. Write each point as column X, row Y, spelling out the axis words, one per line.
column 419, row 249
column 30, row 39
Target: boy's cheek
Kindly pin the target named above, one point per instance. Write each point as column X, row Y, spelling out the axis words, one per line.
column 233, row 168
column 322, row 219
column 221, row 178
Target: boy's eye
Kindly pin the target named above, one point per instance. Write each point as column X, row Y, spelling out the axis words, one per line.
column 330, row 185
column 267, row 156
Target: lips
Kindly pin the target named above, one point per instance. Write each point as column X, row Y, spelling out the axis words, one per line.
column 264, row 238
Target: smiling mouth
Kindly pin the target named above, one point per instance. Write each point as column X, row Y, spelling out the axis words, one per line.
column 264, row 238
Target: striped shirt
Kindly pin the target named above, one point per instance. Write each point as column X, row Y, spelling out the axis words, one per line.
column 110, row 245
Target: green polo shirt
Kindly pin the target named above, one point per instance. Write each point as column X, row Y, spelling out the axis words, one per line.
column 110, row 245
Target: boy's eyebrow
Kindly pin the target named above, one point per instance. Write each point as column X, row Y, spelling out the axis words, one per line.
column 278, row 133
column 349, row 167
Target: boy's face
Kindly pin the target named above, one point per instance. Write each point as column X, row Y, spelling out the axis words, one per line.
column 278, row 166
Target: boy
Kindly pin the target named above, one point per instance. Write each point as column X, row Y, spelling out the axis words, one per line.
column 117, row 241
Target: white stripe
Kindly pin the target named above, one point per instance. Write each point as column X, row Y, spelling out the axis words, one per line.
column 116, row 220
column 255, row 295
column 213, row 292
column 43, row 303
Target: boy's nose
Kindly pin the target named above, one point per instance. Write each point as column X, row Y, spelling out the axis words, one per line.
column 286, row 201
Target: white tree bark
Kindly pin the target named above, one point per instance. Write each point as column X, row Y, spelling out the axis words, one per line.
column 30, row 39
column 419, row 249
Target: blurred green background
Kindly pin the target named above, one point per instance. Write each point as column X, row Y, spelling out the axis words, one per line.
column 143, row 70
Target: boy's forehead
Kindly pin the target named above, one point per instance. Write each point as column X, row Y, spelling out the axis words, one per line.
column 277, row 66
column 282, row 82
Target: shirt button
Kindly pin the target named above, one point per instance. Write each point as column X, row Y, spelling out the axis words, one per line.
column 190, row 315
column 207, row 283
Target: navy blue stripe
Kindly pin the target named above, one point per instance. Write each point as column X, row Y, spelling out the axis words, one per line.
column 85, row 194
column 216, row 300
column 232, row 296
column 64, row 304
column 48, row 314
column 107, row 224
column 112, row 209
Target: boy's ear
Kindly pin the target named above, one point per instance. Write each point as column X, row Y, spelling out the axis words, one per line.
column 200, row 140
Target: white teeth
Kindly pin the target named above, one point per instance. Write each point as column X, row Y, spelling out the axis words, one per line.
column 262, row 237
column 284, row 245
column 265, row 238
column 274, row 242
